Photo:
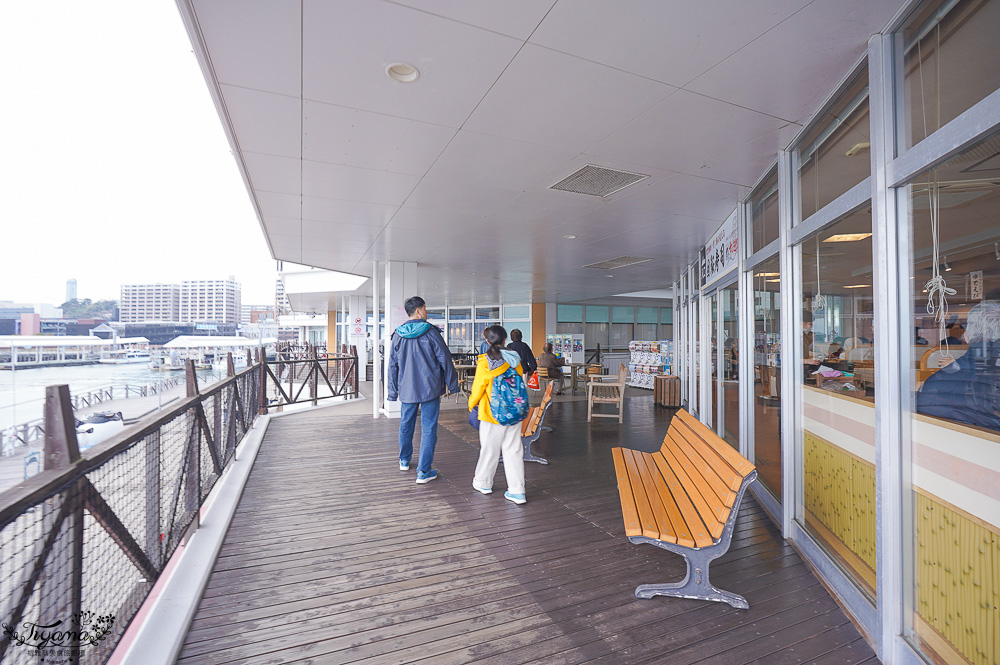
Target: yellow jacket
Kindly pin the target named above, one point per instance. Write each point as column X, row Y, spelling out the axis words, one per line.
column 482, row 386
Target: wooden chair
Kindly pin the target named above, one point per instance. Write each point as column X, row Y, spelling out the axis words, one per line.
column 684, row 499
column 607, row 390
column 935, row 358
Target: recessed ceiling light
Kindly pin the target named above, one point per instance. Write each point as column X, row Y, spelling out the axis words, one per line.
column 609, row 275
column 773, row 281
column 766, row 274
column 555, row 293
column 402, row 72
column 472, row 273
column 569, row 236
column 847, row 237
column 857, row 286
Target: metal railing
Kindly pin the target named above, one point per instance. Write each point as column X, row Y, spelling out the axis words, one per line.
column 284, row 380
column 83, row 542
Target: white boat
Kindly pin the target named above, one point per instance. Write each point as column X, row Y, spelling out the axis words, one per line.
column 97, row 427
column 126, row 357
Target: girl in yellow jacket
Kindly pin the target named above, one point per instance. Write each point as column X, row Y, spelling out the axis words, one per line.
column 496, row 439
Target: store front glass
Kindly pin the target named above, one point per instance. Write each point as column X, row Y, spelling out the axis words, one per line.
column 767, row 374
column 713, row 341
column 729, row 365
column 837, row 377
column 763, row 212
column 954, row 449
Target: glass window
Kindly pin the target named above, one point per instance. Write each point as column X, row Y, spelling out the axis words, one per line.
column 597, row 333
column 949, row 64
column 838, row 388
column 763, row 213
column 460, row 313
column 835, row 154
column 436, row 314
column 569, row 313
column 488, row 313
column 730, row 364
column 623, row 314
column 645, row 331
column 667, row 315
column 460, row 337
column 647, row 315
column 516, row 312
column 955, row 398
column 621, row 335
column 597, row 314
column 767, row 375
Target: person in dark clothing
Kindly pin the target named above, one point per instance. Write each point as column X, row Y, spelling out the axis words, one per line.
column 528, row 363
column 420, row 372
column 955, row 332
column 968, row 389
column 552, row 365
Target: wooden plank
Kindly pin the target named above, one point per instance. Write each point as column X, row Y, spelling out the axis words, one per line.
column 625, row 493
column 646, row 520
column 696, row 529
column 708, row 481
column 701, row 498
column 657, row 494
column 731, row 455
column 729, row 478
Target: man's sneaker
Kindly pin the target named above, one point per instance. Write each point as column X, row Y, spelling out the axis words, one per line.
column 483, row 490
column 426, row 477
column 516, row 498
column 404, row 466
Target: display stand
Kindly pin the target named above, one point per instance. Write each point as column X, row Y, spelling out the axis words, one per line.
column 647, row 360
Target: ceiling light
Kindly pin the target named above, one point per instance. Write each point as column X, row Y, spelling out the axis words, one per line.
column 556, row 293
column 772, row 281
column 569, row 236
column 847, row 237
column 947, row 268
column 609, row 275
column 402, row 72
column 472, row 273
column 996, row 250
column 766, row 274
column 857, row 286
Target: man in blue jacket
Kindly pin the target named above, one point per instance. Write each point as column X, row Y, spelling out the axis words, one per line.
column 420, row 372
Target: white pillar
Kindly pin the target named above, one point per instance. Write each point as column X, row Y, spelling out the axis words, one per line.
column 400, row 284
column 357, row 317
column 377, row 356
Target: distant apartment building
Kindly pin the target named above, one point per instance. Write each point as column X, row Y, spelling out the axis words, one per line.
column 149, row 302
column 70, row 289
column 211, row 300
column 280, row 299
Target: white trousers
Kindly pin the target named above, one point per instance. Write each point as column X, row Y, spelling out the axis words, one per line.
column 494, row 440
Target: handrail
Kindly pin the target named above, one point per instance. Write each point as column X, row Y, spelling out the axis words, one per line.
column 101, row 529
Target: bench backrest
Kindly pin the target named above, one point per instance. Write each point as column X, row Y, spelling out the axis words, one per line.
column 622, row 373
column 534, row 419
column 706, row 467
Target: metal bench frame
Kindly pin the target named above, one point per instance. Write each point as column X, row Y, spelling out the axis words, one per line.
column 696, row 584
column 526, row 441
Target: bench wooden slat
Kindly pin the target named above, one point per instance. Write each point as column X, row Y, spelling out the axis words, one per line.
column 646, row 519
column 668, row 516
column 629, row 512
column 696, row 527
column 701, row 496
column 729, row 480
column 728, row 453
column 690, row 454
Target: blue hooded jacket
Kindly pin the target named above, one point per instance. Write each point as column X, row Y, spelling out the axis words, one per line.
column 420, row 365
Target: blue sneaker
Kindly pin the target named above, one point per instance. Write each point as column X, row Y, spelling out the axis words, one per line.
column 404, row 466
column 426, row 477
column 483, row 490
column 516, row 498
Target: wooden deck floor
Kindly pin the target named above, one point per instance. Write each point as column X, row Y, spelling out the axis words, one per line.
column 336, row 556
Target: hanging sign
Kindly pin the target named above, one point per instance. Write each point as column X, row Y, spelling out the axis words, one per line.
column 976, row 284
column 720, row 253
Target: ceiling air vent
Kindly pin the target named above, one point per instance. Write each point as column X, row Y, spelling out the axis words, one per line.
column 598, row 181
column 620, row 262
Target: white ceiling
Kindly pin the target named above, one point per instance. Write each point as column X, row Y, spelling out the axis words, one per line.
column 346, row 166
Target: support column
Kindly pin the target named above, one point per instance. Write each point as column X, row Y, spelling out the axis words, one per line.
column 357, row 309
column 539, row 326
column 400, row 284
column 376, row 354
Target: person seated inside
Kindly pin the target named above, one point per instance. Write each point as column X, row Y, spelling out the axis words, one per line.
column 955, row 334
column 967, row 390
column 552, row 364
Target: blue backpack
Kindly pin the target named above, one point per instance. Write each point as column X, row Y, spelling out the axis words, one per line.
column 509, row 398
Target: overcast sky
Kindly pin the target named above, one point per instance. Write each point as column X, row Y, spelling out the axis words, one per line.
column 114, row 167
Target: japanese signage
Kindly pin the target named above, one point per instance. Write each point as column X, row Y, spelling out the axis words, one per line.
column 721, row 252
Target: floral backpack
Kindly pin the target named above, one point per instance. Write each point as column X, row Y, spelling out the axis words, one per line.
column 509, row 398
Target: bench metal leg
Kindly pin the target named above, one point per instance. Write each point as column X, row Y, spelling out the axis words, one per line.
column 695, row 585
column 528, row 456
column 547, row 428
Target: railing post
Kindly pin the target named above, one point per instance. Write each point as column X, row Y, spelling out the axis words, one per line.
column 313, row 374
column 262, row 397
column 192, row 472
column 153, row 548
column 61, row 583
column 354, row 352
column 230, row 365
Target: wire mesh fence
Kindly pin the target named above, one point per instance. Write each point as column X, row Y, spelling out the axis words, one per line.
column 81, row 547
column 294, row 380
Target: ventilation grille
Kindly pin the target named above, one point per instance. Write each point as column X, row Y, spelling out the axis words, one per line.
column 598, row 181
column 620, row 262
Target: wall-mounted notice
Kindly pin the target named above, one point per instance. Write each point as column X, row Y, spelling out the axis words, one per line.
column 721, row 252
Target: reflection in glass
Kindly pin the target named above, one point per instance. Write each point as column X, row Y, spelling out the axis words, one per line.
column 714, row 358
column 730, row 367
column 767, row 375
column 954, row 219
column 950, row 63
column 834, row 155
column 763, row 213
column 838, row 388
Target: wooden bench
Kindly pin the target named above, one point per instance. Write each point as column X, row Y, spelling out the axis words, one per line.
column 531, row 427
column 607, row 390
column 684, row 499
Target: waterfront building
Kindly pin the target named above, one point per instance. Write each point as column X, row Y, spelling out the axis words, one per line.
column 149, row 302
column 216, row 301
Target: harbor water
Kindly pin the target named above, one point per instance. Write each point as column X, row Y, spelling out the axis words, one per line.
column 22, row 392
